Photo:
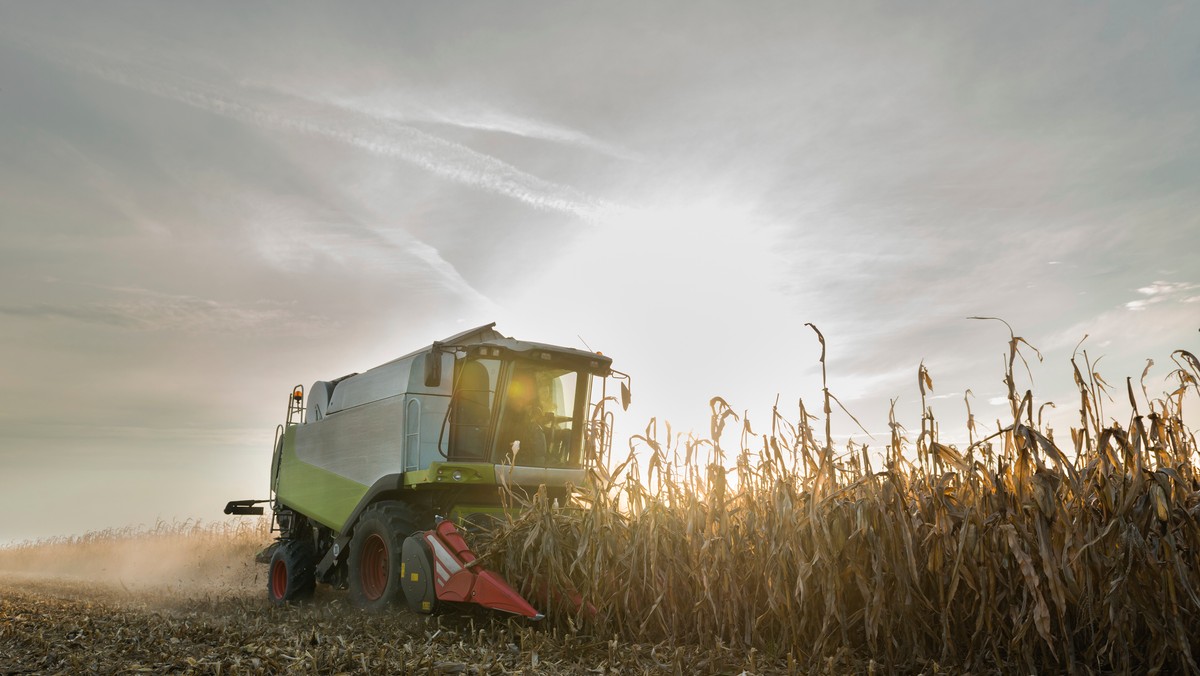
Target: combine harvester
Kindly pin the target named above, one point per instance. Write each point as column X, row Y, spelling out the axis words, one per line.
column 372, row 478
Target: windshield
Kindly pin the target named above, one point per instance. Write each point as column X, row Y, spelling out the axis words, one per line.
column 542, row 421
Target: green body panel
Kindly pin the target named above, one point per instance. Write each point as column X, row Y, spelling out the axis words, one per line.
column 442, row 473
column 319, row 494
column 330, row 499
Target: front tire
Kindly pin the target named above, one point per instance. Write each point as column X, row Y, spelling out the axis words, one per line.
column 375, row 554
column 290, row 577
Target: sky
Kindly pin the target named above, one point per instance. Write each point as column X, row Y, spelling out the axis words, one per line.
column 204, row 204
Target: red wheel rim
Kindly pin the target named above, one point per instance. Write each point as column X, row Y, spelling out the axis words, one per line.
column 374, row 567
column 279, row 579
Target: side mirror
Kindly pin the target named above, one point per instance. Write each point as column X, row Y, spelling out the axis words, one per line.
column 433, row 366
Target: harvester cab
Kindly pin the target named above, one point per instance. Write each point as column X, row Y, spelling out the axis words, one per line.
column 373, row 473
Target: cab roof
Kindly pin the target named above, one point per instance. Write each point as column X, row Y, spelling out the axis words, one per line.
column 488, row 335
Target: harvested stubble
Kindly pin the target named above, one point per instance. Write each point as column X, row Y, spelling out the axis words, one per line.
column 1008, row 555
column 46, row 627
column 84, row 617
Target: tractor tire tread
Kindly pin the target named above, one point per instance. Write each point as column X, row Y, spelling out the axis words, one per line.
column 299, row 561
column 398, row 521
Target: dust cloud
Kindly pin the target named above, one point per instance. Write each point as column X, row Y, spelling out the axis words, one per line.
column 184, row 560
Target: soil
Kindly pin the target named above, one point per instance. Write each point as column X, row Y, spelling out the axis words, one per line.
column 64, row 625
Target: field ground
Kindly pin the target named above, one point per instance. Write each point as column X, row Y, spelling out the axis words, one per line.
column 63, row 625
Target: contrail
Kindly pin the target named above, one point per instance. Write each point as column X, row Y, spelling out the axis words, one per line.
column 451, row 277
column 364, row 243
column 483, row 120
column 456, row 162
column 378, row 136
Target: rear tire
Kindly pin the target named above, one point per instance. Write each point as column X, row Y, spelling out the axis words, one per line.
column 375, row 554
column 290, row 576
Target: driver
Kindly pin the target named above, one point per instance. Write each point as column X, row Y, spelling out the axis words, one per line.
column 521, row 433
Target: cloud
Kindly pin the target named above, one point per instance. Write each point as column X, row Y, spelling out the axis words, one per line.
column 82, row 313
column 290, row 228
column 144, row 310
column 291, row 235
column 75, row 430
column 375, row 134
column 1159, row 292
column 1156, row 320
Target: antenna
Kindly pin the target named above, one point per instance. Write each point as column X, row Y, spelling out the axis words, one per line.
column 589, row 347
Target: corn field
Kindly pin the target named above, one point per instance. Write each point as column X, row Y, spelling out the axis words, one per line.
column 1013, row 552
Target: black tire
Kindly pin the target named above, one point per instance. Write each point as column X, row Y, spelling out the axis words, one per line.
column 290, row 577
column 375, row 554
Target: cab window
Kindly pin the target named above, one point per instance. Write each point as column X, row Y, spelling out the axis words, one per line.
column 542, row 422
